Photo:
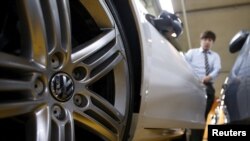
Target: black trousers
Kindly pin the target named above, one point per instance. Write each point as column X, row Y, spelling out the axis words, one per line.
column 197, row 134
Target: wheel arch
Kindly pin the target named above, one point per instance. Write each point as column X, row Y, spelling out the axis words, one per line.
column 130, row 34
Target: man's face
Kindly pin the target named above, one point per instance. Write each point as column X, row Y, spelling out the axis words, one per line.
column 206, row 43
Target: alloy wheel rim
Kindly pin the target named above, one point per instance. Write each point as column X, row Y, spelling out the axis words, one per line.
column 47, row 52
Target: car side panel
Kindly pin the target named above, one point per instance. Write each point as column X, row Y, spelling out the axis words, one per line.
column 171, row 94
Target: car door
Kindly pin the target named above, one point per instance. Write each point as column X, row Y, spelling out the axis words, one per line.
column 171, row 94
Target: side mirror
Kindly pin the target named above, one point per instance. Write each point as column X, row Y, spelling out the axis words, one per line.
column 169, row 23
column 238, row 41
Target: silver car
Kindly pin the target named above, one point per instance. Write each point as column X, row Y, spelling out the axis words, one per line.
column 237, row 88
column 94, row 70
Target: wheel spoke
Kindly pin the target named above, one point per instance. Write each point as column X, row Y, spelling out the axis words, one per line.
column 64, row 14
column 11, row 85
column 106, row 66
column 94, row 102
column 100, row 56
column 63, row 130
column 17, row 63
column 85, row 50
column 108, row 110
column 18, row 74
column 56, row 15
column 104, row 113
column 95, row 126
column 43, row 124
column 34, row 33
column 17, row 108
column 99, row 115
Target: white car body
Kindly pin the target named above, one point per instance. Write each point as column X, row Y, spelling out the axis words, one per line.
column 171, row 94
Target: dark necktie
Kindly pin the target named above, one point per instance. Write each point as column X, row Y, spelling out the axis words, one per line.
column 206, row 61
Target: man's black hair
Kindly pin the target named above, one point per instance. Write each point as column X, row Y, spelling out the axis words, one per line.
column 208, row 34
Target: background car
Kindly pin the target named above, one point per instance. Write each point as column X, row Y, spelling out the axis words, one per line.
column 237, row 90
column 91, row 70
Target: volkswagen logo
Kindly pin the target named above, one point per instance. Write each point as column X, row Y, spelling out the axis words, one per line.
column 62, row 87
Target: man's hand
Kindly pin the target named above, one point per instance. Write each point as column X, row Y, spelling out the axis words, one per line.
column 206, row 79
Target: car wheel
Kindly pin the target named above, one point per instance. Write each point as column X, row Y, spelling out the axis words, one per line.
column 65, row 71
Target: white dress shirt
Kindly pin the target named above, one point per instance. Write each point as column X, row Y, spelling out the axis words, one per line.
column 195, row 57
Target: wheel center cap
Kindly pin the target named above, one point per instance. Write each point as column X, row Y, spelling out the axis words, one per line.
column 62, row 87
